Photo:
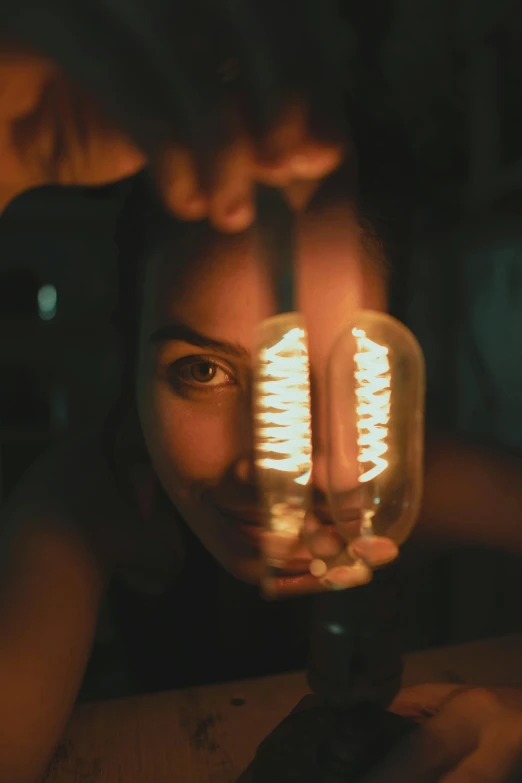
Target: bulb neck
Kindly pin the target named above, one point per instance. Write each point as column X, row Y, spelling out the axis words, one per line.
column 355, row 654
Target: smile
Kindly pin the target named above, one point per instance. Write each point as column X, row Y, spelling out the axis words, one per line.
column 248, row 525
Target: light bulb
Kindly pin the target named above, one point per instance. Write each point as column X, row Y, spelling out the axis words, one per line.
column 375, row 391
column 282, row 432
column 376, row 431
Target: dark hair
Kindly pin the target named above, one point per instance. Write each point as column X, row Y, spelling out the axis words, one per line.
column 143, row 226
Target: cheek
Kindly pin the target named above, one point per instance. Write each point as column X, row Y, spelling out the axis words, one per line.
column 190, row 442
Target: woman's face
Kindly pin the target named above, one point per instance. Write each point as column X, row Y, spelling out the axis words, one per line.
column 196, row 351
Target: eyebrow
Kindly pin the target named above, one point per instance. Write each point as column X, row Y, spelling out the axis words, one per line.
column 181, row 332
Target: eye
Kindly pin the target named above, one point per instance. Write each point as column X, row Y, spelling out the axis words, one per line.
column 201, row 371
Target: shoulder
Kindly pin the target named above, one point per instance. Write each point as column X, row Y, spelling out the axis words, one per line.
column 76, row 489
column 72, row 488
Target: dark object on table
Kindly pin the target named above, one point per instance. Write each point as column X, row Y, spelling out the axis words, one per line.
column 355, row 671
column 321, row 745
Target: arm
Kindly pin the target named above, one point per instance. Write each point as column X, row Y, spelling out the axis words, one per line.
column 51, row 583
column 472, row 496
column 466, row 735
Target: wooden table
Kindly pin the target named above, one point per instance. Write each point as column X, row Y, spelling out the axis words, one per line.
column 209, row 735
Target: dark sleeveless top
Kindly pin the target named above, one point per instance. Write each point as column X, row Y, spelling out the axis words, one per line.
column 197, row 624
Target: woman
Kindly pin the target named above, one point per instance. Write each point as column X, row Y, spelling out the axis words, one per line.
column 161, row 512
column 117, row 509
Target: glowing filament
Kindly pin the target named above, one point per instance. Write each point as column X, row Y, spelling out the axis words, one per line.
column 283, row 410
column 373, row 392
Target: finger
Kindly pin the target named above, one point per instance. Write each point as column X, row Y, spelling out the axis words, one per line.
column 292, row 586
column 331, row 563
column 299, row 193
column 325, row 543
column 22, row 80
column 338, row 578
column 498, row 761
column 313, row 160
column 305, row 583
column 421, row 702
column 321, row 540
column 110, row 158
column 179, row 185
column 147, row 87
column 375, row 551
column 282, row 548
column 88, row 149
column 345, row 576
column 288, row 152
column 67, row 139
column 231, row 195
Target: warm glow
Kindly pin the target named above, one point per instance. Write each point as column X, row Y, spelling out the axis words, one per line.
column 283, row 425
column 375, row 433
column 373, row 393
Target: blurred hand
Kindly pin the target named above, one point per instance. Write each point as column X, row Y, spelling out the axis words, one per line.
column 332, row 563
column 211, row 93
column 466, row 736
column 52, row 133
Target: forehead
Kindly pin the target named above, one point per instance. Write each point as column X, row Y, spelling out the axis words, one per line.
column 220, row 286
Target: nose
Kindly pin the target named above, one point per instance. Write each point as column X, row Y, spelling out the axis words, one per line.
column 243, row 468
column 319, row 435
column 320, row 472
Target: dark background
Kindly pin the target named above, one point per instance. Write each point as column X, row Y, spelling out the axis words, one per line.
column 437, row 85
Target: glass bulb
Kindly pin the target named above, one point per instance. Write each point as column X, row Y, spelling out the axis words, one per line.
column 282, row 433
column 376, row 430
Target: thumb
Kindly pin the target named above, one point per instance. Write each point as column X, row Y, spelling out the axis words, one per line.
column 424, row 701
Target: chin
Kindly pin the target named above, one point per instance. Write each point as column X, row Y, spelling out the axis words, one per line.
column 236, row 550
column 241, row 558
column 248, row 570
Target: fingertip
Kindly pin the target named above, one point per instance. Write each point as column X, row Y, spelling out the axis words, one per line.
column 318, row 568
column 234, row 214
column 315, row 161
column 311, row 524
column 276, row 174
column 194, row 208
column 180, row 187
column 343, row 577
column 325, row 543
column 374, row 550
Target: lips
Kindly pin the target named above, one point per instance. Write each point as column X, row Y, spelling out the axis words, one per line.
column 256, row 516
column 249, row 525
column 253, row 517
